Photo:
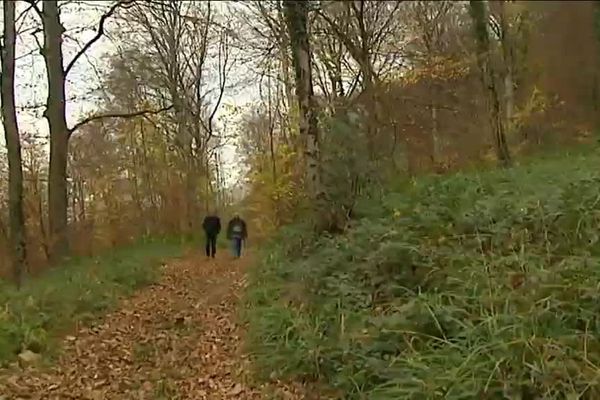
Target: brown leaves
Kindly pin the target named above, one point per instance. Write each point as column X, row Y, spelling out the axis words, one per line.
column 175, row 340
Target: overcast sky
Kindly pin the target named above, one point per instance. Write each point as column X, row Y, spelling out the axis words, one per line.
column 80, row 20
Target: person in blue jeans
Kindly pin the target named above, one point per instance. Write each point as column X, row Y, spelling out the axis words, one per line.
column 237, row 233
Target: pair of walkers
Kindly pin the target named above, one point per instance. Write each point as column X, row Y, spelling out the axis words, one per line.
column 236, row 233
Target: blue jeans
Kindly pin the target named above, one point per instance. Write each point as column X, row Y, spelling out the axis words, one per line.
column 236, row 246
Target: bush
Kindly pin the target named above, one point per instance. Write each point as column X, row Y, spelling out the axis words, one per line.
column 72, row 293
column 471, row 286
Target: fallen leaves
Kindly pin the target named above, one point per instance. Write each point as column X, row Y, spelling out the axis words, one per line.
column 177, row 339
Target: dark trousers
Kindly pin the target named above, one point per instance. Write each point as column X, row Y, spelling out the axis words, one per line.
column 211, row 245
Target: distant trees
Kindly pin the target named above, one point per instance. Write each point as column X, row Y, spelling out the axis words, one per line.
column 57, row 71
column 407, row 87
column 350, row 95
column 150, row 150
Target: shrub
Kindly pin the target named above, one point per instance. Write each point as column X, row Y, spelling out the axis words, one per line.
column 470, row 286
column 75, row 292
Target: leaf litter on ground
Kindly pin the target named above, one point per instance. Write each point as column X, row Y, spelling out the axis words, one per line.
column 177, row 339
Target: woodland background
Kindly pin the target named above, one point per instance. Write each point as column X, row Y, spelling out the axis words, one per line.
column 398, row 93
column 421, row 178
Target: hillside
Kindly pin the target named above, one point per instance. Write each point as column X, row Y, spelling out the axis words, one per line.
column 478, row 285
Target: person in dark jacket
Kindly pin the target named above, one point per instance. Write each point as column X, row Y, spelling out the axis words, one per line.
column 237, row 233
column 212, row 228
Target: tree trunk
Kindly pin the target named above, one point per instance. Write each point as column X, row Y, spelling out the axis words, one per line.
column 40, row 213
column 73, row 196
column 271, row 132
column 149, row 183
column 507, row 53
column 59, row 133
column 287, row 81
column 81, row 200
column 297, row 22
column 479, row 13
column 435, row 143
column 13, row 145
column 208, row 186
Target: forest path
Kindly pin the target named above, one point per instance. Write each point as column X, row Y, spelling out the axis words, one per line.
column 176, row 339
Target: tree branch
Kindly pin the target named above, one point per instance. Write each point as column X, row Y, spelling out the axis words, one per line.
column 32, row 5
column 99, row 32
column 117, row 115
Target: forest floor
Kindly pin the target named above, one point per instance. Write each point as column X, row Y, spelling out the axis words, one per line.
column 176, row 339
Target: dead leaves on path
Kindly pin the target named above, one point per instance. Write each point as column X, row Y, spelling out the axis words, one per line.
column 174, row 340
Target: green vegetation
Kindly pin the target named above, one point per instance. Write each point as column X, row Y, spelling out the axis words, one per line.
column 470, row 286
column 75, row 293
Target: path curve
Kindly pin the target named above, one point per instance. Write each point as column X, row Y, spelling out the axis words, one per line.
column 176, row 339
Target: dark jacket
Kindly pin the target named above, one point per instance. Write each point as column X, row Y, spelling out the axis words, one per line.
column 211, row 225
column 241, row 230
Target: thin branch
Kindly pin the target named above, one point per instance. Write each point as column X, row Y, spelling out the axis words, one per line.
column 37, row 40
column 32, row 4
column 117, row 115
column 99, row 33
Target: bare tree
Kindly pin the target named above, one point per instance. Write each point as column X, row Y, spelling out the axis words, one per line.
column 435, row 26
column 489, row 74
column 267, row 43
column 55, row 113
column 13, row 143
column 192, row 59
column 368, row 31
column 296, row 13
column 365, row 28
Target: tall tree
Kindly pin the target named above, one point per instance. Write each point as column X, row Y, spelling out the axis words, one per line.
column 57, row 71
column 480, row 15
column 188, row 43
column 296, row 14
column 13, row 143
column 432, row 22
column 59, row 133
column 367, row 30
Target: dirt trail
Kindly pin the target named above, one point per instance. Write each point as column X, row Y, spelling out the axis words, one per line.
column 176, row 339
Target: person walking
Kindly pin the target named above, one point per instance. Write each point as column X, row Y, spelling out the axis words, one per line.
column 237, row 234
column 212, row 228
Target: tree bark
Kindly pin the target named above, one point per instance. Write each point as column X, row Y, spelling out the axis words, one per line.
column 286, row 79
column 435, row 140
column 296, row 13
column 13, row 145
column 59, row 133
column 39, row 209
column 271, row 131
column 480, row 15
column 507, row 53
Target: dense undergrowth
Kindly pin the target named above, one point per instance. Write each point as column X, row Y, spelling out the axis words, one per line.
column 51, row 304
column 470, row 286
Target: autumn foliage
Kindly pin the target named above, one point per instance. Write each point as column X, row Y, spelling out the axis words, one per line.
column 144, row 163
column 342, row 115
column 426, row 112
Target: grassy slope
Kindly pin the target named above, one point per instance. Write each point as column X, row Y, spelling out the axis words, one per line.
column 470, row 286
column 74, row 293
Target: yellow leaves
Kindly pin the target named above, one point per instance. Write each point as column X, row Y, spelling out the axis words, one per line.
column 489, row 156
column 439, row 68
column 537, row 103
